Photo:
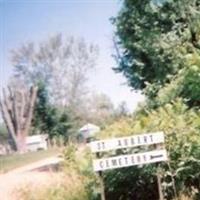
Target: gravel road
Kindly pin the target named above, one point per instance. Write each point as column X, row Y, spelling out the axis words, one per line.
column 37, row 173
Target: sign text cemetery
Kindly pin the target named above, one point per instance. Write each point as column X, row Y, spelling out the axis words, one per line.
column 127, row 160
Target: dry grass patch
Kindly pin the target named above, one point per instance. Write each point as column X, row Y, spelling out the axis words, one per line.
column 70, row 186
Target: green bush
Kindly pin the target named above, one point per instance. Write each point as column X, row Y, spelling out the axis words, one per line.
column 3, row 133
column 79, row 159
column 76, row 181
column 180, row 175
column 182, row 134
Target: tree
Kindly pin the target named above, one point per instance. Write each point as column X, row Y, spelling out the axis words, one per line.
column 62, row 65
column 122, row 110
column 42, row 110
column 17, row 109
column 64, row 126
column 49, row 119
column 99, row 109
column 184, row 84
column 154, row 39
column 3, row 133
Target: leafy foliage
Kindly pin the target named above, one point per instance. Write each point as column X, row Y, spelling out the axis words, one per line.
column 131, row 183
column 154, row 40
column 78, row 182
column 184, row 84
column 182, row 131
column 158, row 51
column 79, row 159
column 49, row 119
column 3, row 133
column 61, row 63
column 100, row 109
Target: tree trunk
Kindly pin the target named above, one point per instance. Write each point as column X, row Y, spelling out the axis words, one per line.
column 17, row 110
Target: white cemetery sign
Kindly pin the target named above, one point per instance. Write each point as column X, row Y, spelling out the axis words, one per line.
column 127, row 160
column 127, row 142
column 130, row 159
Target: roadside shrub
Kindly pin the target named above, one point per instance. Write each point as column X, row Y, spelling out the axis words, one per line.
column 180, row 174
column 79, row 159
column 67, row 187
column 76, row 181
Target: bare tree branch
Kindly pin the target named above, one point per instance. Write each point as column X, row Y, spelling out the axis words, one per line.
column 17, row 110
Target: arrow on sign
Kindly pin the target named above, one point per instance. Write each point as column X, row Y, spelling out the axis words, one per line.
column 130, row 160
column 157, row 156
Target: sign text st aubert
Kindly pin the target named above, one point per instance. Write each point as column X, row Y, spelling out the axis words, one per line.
column 127, row 142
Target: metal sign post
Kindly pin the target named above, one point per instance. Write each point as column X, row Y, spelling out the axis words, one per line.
column 102, row 187
column 103, row 197
column 160, row 192
column 158, row 175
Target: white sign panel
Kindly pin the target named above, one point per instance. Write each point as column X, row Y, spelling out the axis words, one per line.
column 127, row 142
column 130, row 160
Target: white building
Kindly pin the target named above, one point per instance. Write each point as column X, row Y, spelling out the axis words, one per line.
column 36, row 142
column 88, row 131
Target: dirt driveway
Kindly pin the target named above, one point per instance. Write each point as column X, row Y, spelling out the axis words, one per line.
column 37, row 173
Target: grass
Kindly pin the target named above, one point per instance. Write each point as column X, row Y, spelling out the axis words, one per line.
column 70, row 186
column 74, row 182
column 10, row 162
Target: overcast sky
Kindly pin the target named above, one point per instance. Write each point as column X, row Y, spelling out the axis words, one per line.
column 34, row 20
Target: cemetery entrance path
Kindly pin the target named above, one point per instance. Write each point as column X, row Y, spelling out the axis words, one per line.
column 39, row 173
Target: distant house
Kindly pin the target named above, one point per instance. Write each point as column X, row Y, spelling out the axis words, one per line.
column 37, row 142
column 88, row 131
